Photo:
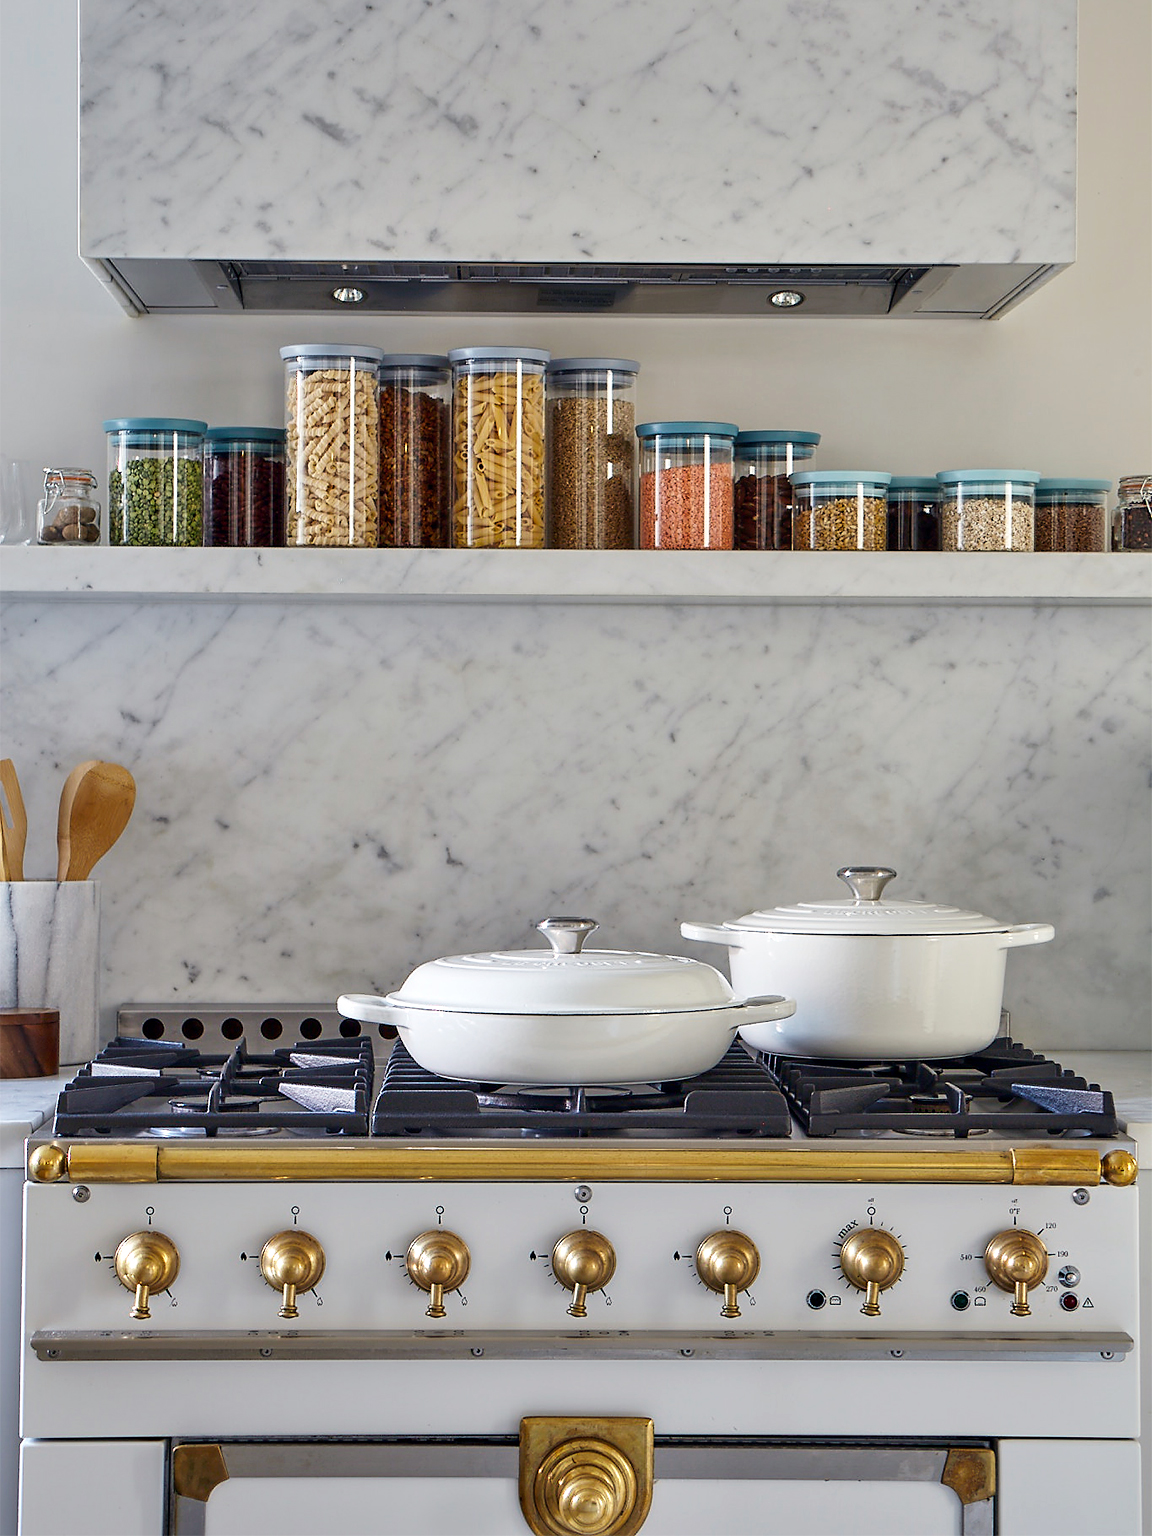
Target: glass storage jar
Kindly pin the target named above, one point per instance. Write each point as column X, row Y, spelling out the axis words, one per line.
column 1072, row 515
column 840, row 509
column 155, row 480
column 914, row 512
column 763, row 490
column 498, row 447
column 985, row 509
column 1132, row 519
column 415, row 450
column 592, row 452
column 244, row 487
column 686, row 499
column 332, row 417
column 69, row 512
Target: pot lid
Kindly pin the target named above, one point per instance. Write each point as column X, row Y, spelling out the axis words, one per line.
column 866, row 911
column 565, row 979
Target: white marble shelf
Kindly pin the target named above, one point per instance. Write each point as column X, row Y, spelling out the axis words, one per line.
column 530, row 576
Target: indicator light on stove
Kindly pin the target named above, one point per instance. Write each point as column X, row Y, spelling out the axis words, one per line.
column 816, row 1300
column 871, row 1259
column 583, row 1261
column 728, row 1262
column 437, row 1262
column 961, row 1301
column 292, row 1262
column 1016, row 1261
column 146, row 1262
column 1069, row 1302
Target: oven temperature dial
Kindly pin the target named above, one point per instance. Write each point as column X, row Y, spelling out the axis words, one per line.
column 437, row 1262
column 728, row 1262
column 1016, row 1260
column 871, row 1260
column 291, row 1262
column 146, row 1262
column 583, row 1261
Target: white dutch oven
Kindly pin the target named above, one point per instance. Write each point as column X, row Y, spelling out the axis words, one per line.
column 873, row 978
column 563, row 1017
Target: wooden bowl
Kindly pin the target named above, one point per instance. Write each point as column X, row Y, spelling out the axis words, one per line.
column 29, row 1042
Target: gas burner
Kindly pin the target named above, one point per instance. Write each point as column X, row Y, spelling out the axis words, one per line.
column 139, row 1087
column 1003, row 1088
column 737, row 1097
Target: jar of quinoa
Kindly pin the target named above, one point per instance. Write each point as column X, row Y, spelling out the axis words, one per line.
column 840, row 509
column 686, row 499
column 987, row 509
column 765, row 461
column 1072, row 515
column 415, row 450
column 592, row 452
column 498, row 447
column 1132, row 519
column 332, row 416
column 914, row 512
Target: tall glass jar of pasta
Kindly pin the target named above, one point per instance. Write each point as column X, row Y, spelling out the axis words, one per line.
column 498, row 447
column 332, row 417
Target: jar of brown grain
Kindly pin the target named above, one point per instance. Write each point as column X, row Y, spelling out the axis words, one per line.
column 840, row 509
column 591, row 452
column 415, row 450
column 765, row 461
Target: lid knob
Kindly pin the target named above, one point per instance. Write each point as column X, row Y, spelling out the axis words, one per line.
column 865, row 881
column 566, row 934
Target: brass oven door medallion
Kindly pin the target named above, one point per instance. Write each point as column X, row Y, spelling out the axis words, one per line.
column 585, row 1477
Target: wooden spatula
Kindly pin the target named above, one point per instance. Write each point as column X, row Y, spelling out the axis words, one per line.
column 95, row 805
column 13, row 824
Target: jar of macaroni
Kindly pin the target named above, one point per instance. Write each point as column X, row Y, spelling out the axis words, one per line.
column 332, row 421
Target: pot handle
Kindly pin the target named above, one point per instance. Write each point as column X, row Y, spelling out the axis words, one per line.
column 1026, row 933
column 365, row 1008
column 711, row 933
column 759, row 1010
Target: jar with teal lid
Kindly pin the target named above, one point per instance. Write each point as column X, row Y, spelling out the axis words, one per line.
column 686, row 499
column 592, row 452
column 332, row 420
column 1072, row 515
column 498, row 467
column 765, row 461
column 155, row 480
column 244, row 487
column 840, row 509
column 987, row 509
column 914, row 512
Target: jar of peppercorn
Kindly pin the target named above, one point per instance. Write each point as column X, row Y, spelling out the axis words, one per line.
column 244, row 487
column 914, row 512
column 415, row 450
column 155, row 480
column 1072, row 515
column 1132, row 520
column 686, row 484
column 763, row 490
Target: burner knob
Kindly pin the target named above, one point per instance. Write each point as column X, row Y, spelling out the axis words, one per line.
column 728, row 1262
column 291, row 1262
column 146, row 1262
column 871, row 1260
column 1016, row 1260
column 585, row 1261
column 438, row 1262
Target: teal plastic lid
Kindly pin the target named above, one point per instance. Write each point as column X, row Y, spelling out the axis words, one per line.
column 841, row 477
column 959, row 476
column 246, row 434
column 1054, row 487
column 155, row 424
column 797, row 439
column 687, row 429
column 921, row 483
column 593, row 365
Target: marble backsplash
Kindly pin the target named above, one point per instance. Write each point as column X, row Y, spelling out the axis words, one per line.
column 331, row 792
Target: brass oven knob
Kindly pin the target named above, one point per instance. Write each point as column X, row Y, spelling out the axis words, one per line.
column 146, row 1262
column 585, row 1261
column 438, row 1262
column 728, row 1262
column 291, row 1262
column 1016, row 1260
column 871, row 1260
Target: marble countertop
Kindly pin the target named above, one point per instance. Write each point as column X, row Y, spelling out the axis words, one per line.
column 25, row 1103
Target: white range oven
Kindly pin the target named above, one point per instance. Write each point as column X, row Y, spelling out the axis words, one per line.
column 605, row 1332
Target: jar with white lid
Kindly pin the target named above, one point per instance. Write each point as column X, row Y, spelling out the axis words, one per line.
column 498, row 466
column 840, row 509
column 765, row 462
column 155, row 480
column 988, row 509
column 69, row 512
column 332, row 421
column 686, row 484
column 592, row 452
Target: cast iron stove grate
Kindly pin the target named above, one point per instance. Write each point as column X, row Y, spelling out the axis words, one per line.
column 321, row 1087
column 738, row 1096
column 1003, row 1088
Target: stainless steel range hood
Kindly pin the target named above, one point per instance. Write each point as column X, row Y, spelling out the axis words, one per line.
column 780, row 158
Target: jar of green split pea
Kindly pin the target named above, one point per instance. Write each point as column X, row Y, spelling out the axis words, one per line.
column 155, row 480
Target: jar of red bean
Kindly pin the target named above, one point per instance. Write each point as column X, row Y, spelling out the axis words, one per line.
column 840, row 509
column 1072, row 515
column 415, row 450
column 686, row 484
column 914, row 512
column 244, row 486
column 763, row 491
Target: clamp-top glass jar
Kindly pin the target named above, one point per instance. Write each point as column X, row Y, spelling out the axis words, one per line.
column 765, row 461
column 1132, row 519
column 987, row 509
column 69, row 512
column 591, row 452
column 498, row 447
column 155, row 480
column 686, row 484
column 332, row 417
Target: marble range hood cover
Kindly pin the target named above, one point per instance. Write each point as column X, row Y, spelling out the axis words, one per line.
column 643, row 156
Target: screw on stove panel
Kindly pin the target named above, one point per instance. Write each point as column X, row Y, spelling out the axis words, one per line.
column 81, row 1193
column 583, row 1193
column 1080, row 1197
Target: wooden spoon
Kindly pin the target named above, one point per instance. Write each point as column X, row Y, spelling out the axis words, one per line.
column 95, row 805
column 13, row 824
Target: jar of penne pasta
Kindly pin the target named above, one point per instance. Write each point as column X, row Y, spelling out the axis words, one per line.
column 332, row 418
column 498, row 447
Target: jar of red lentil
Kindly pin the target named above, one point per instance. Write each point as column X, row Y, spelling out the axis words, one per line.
column 914, row 512
column 686, row 484
column 415, row 450
column 763, row 490
column 1072, row 515
column 1132, row 519
column 244, row 487
column 840, row 509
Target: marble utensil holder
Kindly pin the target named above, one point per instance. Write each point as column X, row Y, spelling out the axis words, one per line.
column 50, row 957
